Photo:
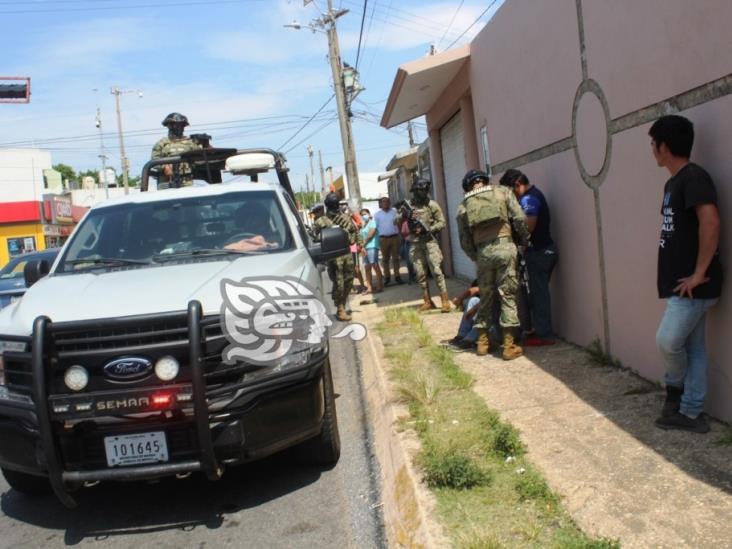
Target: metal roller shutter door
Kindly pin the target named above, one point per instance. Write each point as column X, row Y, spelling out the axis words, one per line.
column 453, row 164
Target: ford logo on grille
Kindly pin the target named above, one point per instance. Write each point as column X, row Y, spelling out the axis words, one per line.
column 128, row 369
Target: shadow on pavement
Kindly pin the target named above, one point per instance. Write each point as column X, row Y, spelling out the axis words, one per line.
column 115, row 509
column 633, row 403
column 629, row 401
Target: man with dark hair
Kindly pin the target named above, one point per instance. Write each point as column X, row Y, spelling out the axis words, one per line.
column 541, row 257
column 386, row 226
column 689, row 274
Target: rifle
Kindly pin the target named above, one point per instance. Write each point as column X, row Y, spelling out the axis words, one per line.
column 523, row 272
column 415, row 225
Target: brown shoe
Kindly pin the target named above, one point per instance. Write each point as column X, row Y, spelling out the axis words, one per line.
column 483, row 343
column 427, row 304
column 446, row 307
column 510, row 349
column 342, row 315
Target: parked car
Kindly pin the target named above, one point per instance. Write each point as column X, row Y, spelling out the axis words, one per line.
column 12, row 283
column 114, row 365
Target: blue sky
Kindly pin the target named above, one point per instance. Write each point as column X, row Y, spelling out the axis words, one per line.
column 229, row 65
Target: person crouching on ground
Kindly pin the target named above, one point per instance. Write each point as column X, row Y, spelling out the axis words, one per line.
column 469, row 301
column 689, row 273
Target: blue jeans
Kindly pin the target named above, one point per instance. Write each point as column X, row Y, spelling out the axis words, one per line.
column 404, row 247
column 680, row 340
column 540, row 265
column 466, row 329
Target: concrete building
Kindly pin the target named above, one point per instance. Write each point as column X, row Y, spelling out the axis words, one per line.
column 35, row 212
column 566, row 91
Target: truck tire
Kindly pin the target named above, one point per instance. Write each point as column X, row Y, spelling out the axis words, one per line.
column 324, row 449
column 24, row 483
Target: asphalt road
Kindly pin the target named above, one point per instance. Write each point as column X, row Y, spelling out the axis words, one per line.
column 272, row 503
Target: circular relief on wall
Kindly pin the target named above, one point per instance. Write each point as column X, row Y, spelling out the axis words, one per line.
column 591, row 133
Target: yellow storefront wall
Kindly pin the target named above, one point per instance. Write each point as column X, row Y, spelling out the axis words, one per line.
column 20, row 230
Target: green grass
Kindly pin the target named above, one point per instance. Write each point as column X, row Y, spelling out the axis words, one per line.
column 724, row 440
column 599, row 357
column 484, row 500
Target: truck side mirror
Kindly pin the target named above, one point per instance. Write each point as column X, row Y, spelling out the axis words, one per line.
column 333, row 243
column 34, row 271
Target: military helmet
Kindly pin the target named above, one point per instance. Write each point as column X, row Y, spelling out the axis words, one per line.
column 472, row 176
column 175, row 118
column 332, row 202
column 315, row 208
column 421, row 185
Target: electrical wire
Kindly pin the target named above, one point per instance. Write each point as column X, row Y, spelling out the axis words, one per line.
column 454, row 15
column 306, row 138
column 176, row 4
column 308, row 121
column 472, row 24
column 360, row 32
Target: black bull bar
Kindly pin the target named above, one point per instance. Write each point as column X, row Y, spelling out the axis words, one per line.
column 60, row 478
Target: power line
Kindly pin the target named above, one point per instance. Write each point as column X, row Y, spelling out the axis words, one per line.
column 308, row 121
column 472, row 24
column 307, row 138
column 176, row 4
column 454, row 15
column 360, row 32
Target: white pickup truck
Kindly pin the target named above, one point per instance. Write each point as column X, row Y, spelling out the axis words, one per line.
column 118, row 363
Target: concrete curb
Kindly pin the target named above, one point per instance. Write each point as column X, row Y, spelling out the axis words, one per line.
column 406, row 502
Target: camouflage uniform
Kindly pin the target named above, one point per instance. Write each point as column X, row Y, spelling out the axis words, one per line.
column 341, row 269
column 425, row 249
column 168, row 146
column 485, row 221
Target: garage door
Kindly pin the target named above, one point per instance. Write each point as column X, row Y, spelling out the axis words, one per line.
column 453, row 163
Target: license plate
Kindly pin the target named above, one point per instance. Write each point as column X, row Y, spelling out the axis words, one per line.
column 136, row 449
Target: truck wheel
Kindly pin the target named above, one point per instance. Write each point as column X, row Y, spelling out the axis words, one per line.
column 325, row 449
column 24, row 483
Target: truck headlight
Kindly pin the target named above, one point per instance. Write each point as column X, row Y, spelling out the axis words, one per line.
column 76, row 378
column 167, row 368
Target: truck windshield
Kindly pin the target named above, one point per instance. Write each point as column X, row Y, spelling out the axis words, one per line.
column 222, row 225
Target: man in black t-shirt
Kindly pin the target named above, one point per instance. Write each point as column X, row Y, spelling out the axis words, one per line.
column 689, row 273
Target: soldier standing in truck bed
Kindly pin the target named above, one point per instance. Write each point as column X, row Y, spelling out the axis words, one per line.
column 173, row 145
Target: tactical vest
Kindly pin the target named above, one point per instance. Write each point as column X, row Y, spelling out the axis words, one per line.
column 174, row 147
column 486, row 212
column 485, row 206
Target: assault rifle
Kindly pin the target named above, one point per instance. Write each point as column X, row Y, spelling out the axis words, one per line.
column 415, row 225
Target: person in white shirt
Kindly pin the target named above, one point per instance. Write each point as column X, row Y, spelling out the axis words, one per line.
column 388, row 230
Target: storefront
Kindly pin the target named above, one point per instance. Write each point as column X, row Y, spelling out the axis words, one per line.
column 32, row 226
column 58, row 214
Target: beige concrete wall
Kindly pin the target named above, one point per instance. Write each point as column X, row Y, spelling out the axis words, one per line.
column 524, row 72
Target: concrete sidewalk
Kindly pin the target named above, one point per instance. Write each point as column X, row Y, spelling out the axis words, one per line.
column 590, row 430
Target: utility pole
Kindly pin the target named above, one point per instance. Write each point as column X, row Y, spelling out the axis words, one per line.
column 123, row 157
column 344, row 119
column 102, row 154
column 322, row 174
column 312, row 172
column 342, row 83
column 410, row 130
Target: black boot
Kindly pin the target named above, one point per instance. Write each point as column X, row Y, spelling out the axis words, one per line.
column 673, row 401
